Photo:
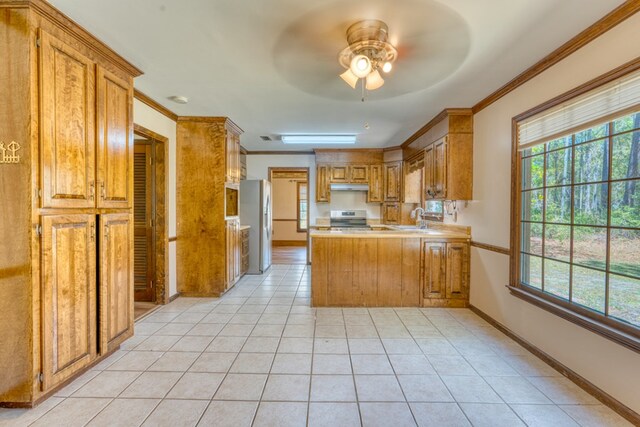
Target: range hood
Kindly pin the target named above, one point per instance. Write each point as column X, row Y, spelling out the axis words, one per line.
column 349, row 187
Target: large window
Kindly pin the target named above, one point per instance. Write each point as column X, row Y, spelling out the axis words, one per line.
column 303, row 206
column 580, row 220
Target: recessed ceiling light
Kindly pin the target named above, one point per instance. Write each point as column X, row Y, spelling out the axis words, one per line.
column 179, row 99
column 319, row 139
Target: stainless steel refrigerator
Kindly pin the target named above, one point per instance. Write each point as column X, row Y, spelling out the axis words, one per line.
column 255, row 210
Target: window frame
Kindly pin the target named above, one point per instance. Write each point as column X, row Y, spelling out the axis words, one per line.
column 298, row 185
column 617, row 331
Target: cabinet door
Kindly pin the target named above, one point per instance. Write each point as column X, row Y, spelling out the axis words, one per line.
column 434, row 269
column 115, row 141
column 391, row 213
column 339, row 173
column 116, row 280
column 429, row 160
column 69, row 339
column 457, row 270
column 359, row 173
column 67, row 95
column 440, row 169
column 375, row 184
column 244, row 265
column 237, row 265
column 322, row 184
column 392, row 181
column 232, row 158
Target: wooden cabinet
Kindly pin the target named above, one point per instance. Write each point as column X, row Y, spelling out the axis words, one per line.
column 391, row 213
column 66, row 262
column 115, row 141
column 449, row 168
column 68, row 99
column 244, row 264
column 233, row 253
column 359, row 174
column 323, row 181
column 375, row 184
column 445, row 272
column 69, row 339
column 413, row 180
column 207, row 239
column 339, row 173
column 429, row 164
column 232, row 156
column 392, row 173
column 440, row 169
column 116, row 279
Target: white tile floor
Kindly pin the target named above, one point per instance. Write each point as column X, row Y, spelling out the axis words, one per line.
column 261, row 356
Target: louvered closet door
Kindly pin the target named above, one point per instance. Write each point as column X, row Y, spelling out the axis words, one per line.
column 143, row 227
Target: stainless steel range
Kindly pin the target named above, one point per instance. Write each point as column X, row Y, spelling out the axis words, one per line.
column 349, row 220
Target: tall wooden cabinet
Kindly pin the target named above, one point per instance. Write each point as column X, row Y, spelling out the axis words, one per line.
column 208, row 245
column 66, row 254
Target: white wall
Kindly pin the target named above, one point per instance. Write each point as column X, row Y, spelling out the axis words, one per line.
column 349, row 200
column 613, row 368
column 149, row 118
column 284, row 197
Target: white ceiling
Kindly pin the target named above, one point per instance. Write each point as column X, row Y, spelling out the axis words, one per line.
column 271, row 65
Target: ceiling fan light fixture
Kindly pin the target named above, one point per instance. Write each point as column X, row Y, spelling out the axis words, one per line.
column 360, row 66
column 386, row 67
column 350, row 78
column 374, row 80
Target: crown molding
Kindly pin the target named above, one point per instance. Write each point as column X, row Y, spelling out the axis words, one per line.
column 155, row 105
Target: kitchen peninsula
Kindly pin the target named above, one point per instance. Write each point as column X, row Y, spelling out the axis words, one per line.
column 394, row 267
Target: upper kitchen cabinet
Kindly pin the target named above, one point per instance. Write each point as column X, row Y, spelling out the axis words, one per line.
column 375, row 184
column 68, row 115
column 413, row 179
column 323, row 181
column 447, row 142
column 359, row 174
column 233, row 168
column 339, row 173
column 66, row 252
column 115, row 140
column 392, row 181
column 353, row 166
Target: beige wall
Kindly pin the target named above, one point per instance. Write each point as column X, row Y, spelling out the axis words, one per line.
column 149, row 118
column 284, row 196
column 613, row 368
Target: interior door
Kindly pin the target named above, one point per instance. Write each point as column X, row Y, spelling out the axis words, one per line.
column 67, row 94
column 69, row 338
column 115, row 140
column 143, row 217
column 116, row 280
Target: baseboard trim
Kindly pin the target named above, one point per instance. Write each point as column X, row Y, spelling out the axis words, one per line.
column 174, row 296
column 608, row 400
column 288, row 243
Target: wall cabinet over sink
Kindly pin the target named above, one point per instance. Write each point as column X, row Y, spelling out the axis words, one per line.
column 66, row 236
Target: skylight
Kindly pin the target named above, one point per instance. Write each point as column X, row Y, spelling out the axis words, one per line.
column 319, row 139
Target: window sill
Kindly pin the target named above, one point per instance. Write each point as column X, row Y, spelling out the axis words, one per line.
column 600, row 328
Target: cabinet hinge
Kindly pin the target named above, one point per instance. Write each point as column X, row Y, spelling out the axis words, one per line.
column 38, row 230
column 40, row 377
column 38, row 42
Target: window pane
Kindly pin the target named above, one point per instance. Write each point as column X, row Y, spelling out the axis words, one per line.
column 589, row 288
column 624, row 299
column 531, row 271
column 532, row 238
column 625, row 252
column 559, row 167
column 626, row 156
column 593, row 133
column 592, row 162
column 625, row 203
column 632, row 121
column 556, row 278
column 590, row 247
column 534, row 150
column 590, row 204
column 532, row 172
column 557, row 242
column 565, row 141
column 558, row 205
column 532, row 202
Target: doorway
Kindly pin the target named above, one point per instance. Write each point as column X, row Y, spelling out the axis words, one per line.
column 150, row 220
column 290, row 204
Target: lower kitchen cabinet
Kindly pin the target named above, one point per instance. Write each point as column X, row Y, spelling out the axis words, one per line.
column 445, row 272
column 244, row 264
column 116, row 280
column 69, row 310
column 233, row 252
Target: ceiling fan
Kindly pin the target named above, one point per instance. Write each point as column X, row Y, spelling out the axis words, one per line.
column 367, row 54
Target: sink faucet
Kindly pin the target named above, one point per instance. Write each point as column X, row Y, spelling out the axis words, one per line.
column 418, row 215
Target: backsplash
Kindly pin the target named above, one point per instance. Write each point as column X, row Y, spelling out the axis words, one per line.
column 348, row 200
